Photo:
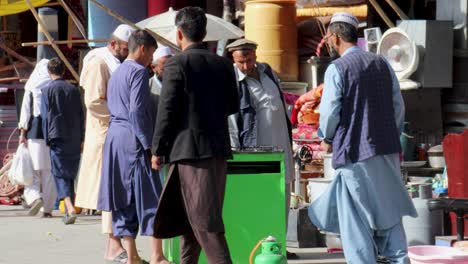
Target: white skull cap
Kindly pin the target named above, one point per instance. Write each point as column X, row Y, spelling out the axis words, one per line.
column 345, row 17
column 160, row 52
column 123, row 32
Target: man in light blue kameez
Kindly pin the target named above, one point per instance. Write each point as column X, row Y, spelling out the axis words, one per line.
column 362, row 113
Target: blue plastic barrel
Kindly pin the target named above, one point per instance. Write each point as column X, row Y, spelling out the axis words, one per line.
column 49, row 17
column 101, row 24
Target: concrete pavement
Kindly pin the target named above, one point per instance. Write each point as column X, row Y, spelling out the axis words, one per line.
column 31, row 240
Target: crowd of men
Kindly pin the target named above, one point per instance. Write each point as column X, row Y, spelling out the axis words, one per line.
column 189, row 115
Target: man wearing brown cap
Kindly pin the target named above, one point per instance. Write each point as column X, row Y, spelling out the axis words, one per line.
column 262, row 119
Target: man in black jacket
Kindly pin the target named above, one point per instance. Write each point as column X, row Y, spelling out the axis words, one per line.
column 199, row 93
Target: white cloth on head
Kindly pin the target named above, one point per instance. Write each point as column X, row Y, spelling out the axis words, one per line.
column 35, row 83
column 39, row 75
column 161, row 52
column 105, row 54
column 123, row 32
column 346, row 18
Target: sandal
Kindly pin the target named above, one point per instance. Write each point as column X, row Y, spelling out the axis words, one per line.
column 291, row 255
column 46, row 215
column 35, row 207
column 142, row 261
column 121, row 258
column 69, row 219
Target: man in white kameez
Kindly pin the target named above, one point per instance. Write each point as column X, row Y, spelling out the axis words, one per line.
column 42, row 192
column 98, row 65
column 361, row 116
column 262, row 119
column 160, row 56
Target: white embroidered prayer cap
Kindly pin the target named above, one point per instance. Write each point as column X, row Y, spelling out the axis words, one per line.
column 161, row 51
column 123, row 32
column 346, row 18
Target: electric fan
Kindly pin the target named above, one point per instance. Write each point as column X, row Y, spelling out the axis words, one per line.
column 402, row 54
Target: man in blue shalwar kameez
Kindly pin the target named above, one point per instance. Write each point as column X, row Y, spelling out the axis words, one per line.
column 129, row 187
column 361, row 116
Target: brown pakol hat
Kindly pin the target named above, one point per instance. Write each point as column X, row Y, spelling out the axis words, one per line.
column 242, row 44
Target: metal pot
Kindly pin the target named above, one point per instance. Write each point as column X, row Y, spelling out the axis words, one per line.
column 328, row 170
column 333, row 241
column 436, row 157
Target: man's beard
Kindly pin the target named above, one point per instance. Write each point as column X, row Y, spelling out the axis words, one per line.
column 159, row 77
column 334, row 53
column 120, row 57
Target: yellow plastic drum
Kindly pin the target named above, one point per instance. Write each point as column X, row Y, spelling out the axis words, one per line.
column 272, row 24
column 62, row 208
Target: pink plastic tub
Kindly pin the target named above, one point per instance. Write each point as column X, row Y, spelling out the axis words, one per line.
column 437, row 255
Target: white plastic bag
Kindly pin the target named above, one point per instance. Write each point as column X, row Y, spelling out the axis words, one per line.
column 21, row 171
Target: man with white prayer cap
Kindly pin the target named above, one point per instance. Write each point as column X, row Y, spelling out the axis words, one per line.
column 361, row 117
column 98, row 66
column 345, row 17
column 160, row 56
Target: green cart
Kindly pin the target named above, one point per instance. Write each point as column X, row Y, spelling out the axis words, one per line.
column 254, row 205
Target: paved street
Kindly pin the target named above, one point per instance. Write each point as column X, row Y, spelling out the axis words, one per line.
column 30, row 240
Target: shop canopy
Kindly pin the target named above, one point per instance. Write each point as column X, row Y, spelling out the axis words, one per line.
column 10, row 7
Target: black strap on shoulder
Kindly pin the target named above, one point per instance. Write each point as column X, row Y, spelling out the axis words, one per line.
column 31, row 104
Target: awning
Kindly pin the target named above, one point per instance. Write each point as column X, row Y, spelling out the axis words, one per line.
column 10, row 7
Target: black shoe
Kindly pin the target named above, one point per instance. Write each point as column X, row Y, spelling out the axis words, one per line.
column 290, row 255
column 46, row 215
column 383, row 260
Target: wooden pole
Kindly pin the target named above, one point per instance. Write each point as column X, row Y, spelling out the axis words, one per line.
column 16, row 55
column 397, row 10
column 50, row 39
column 61, row 42
column 4, row 22
column 12, row 67
column 50, row 4
column 74, row 18
column 9, row 79
column 382, row 13
column 158, row 37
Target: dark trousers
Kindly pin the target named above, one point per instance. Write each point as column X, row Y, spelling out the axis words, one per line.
column 213, row 243
column 203, row 183
column 65, row 188
column 65, row 160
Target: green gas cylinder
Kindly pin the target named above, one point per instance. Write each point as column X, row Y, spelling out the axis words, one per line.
column 271, row 252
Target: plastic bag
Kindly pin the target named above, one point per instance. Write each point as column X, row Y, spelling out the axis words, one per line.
column 21, row 171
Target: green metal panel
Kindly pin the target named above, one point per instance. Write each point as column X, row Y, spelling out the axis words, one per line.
column 254, row 207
